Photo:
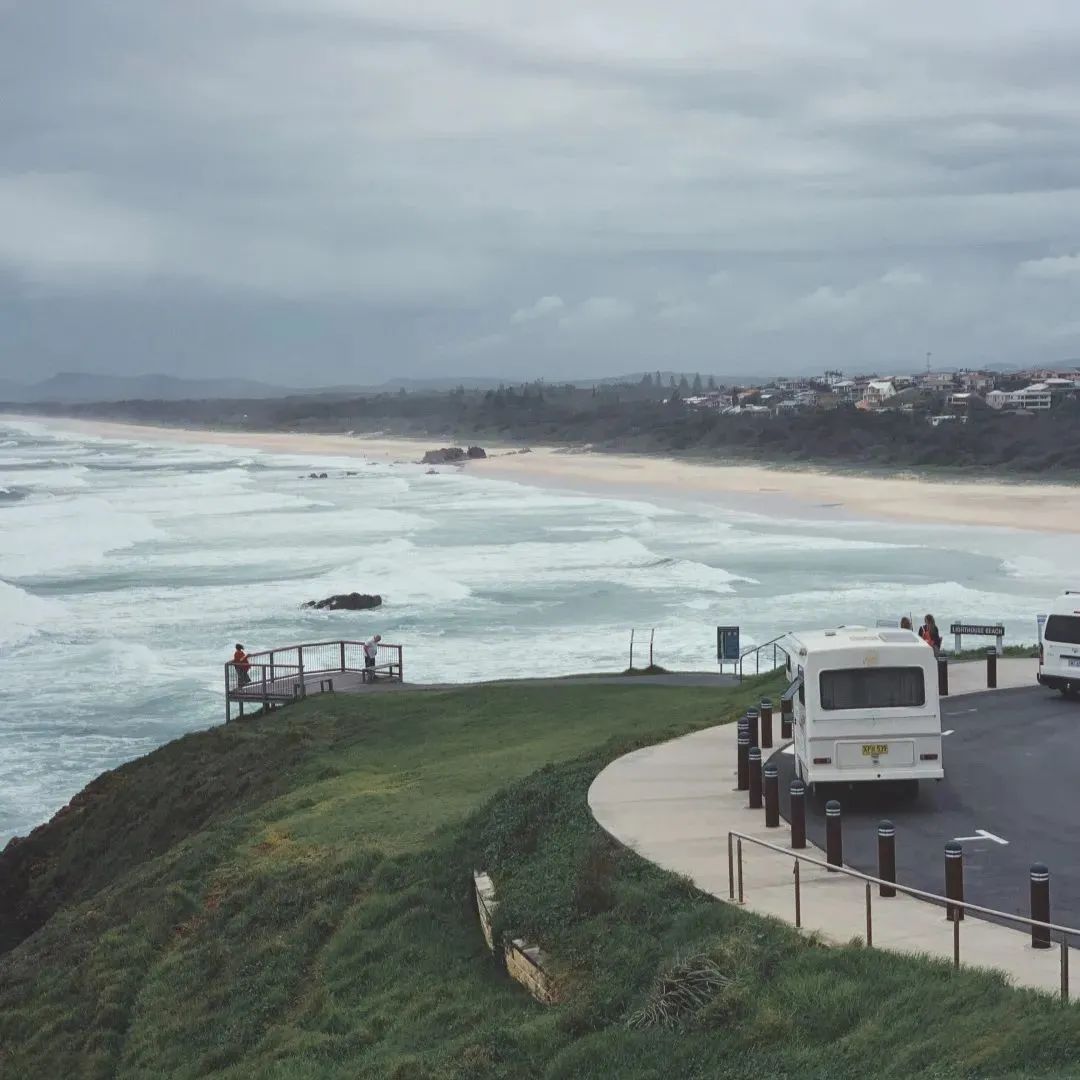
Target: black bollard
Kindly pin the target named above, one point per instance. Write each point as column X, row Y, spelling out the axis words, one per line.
column 755, row 778
column 991, row 668
column 886, row 856
column 766, row 724
column 744, row 758
column 797, row 790
column 771, row 773
column 785, row 717
column 752, row 719
column 954, row 880
column 834, row 836
column 943, row 676
column 1040, row 905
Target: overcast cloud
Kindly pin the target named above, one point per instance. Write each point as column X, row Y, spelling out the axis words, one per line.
column 319, row 191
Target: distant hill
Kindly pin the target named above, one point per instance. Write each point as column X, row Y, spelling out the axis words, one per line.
column 76, row 387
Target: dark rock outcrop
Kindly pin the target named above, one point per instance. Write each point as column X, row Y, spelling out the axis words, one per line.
column 346, row 602
column 446, row 456
column 453, row 455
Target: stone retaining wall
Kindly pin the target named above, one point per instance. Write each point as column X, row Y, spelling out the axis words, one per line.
column 525, row 963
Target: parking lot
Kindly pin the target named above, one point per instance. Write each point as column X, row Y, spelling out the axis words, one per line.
column 1011, row 795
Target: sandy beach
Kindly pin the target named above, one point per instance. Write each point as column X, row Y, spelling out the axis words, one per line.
column 1040, row 507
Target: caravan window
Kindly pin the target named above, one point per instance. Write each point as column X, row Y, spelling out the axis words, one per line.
column 1062, row 628
column 872, row 688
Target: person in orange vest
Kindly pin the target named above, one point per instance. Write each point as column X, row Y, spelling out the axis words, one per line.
column 930, row 634
column 242, row 665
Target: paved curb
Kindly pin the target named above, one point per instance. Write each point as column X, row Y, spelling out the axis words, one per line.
column 675, row 803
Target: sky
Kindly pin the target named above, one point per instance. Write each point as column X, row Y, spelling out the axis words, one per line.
column 313, row 192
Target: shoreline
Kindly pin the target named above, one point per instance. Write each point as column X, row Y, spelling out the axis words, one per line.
column 1037, row 507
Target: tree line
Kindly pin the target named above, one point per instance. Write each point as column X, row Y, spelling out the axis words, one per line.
column 644, row 418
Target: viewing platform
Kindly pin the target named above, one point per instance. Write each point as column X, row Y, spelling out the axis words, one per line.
column 279, row 676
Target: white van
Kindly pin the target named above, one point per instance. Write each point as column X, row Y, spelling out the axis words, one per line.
column 865, row 707
column 1059, row 649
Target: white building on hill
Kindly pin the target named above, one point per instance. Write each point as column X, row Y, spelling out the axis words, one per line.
column 1035, row 398
column 879, row 391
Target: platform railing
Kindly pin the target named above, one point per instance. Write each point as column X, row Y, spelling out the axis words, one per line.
column 736, row 888
column 277, row 675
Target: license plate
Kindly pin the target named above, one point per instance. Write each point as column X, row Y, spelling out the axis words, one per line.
column 1074, row 661
column 875, row 749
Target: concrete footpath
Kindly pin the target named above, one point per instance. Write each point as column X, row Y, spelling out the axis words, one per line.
column 969, row 677
column 675, row 803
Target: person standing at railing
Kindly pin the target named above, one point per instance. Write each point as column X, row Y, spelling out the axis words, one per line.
column 371, row 654
column 242, row 665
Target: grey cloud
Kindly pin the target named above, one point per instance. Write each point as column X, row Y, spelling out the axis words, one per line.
column 545, row 307
column 709, row 186
column 1051, row 269
column 597, row 311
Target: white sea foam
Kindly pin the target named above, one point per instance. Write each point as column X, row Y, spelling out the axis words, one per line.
column 137, row 583
column 55, row 477
column 59, row 535
column 23, row 616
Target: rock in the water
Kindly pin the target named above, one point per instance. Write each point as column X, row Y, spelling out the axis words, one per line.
column 445, row 456
column 346, row 602
column 476, row 452
column 317, row 476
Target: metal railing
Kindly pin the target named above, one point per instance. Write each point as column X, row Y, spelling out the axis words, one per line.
column 756, row 650
column 278, row 675
column 735, row 879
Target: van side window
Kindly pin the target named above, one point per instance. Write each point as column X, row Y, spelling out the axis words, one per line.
column 802, row 688
column 1062, row 628
column 872, row 688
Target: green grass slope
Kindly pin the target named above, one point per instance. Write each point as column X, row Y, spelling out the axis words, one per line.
column 290, row 898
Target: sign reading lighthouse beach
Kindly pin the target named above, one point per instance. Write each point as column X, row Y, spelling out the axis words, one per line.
column 977, row 629
column 994, row 630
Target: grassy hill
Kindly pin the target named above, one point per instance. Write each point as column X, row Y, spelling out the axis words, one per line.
column 289, row 897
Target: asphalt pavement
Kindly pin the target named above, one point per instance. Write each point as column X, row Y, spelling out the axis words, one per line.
column 1011, row 795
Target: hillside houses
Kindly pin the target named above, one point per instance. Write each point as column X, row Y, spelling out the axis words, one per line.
column 937, row 395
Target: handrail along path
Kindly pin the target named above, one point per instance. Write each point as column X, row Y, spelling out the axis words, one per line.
column 735, row 880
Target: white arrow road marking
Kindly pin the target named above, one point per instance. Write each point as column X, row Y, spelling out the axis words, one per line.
column 982, row 834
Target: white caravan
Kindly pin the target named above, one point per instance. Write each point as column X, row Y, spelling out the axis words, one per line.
column 1059, row 649
column 866, row 706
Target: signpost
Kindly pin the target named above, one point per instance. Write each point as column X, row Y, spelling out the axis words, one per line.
column 727, row 645
column 996, row 630
column 638, row 641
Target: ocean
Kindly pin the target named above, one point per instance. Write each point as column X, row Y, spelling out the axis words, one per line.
column 128, row 569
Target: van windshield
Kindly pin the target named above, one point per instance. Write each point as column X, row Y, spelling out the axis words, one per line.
column 1063, row 628
column 872, row 688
